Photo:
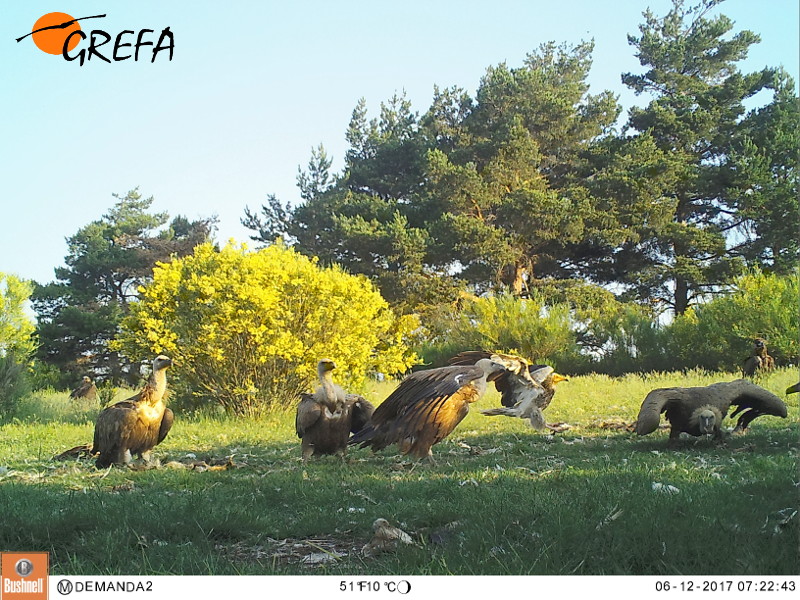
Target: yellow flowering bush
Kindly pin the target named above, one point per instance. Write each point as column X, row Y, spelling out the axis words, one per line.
column 246, row 328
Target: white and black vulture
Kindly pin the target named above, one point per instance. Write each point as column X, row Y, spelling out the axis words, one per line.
column 427, row 406
column 700, row 410
column 525, row 392
column 87, row 389
column 326, row 418
column 135, row 425
column 759, row 359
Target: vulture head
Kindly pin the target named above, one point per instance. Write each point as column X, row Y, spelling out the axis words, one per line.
column 709, row 420
column 161, row 362
column 325, row 365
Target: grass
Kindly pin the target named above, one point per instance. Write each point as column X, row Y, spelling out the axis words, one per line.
column 501, row 499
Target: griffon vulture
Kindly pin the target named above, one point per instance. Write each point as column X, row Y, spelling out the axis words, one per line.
column 700, row 410
column 427, row 405
column 87, row 389
column 759, row 359
column 135, row 425
column 525, row 391
column 326, row 418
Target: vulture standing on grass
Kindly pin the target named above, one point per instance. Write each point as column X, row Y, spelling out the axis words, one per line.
column 87, row 389
column 759, row 359
column 700, row 410
column 326, row 418
column 135, row 425
column 525, row 392
column 427, row 405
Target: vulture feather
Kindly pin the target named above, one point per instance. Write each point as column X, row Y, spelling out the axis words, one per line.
column 427, row 406
column 759, row 359
column 700, row 410
column 525, row 391
column 793, row 389
column 135, row 425
column 87, row 389
column 326, row 418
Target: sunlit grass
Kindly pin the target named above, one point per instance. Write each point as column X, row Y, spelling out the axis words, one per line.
column 501, row 498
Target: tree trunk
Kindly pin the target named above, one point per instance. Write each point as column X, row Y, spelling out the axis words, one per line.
column 514, row 276
column 681, row 295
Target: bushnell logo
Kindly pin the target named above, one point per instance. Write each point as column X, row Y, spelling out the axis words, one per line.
column 60, row 33
column 24, row 575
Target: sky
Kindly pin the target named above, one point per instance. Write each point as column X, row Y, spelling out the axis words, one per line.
column 254, row 86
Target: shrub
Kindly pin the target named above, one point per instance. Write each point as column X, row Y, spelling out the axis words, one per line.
column 506, row 324
column 719, row 334
column 246, row 329
column 13, row 384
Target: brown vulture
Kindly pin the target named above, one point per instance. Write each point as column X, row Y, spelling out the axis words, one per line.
column 135, row 425
column 525, row 392
column 759, row 359
column 87, row 389
column 700, row 410
column 326, row 418
column 427, row 405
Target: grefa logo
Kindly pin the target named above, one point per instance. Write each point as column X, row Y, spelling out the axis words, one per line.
column 60, row 33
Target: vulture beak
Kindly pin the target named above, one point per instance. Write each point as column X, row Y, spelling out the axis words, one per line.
column 557, row 378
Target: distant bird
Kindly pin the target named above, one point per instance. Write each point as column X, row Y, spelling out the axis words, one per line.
column 525, row 392
column 793, row 389
column 759, row 359
column 135, row 425
column 386, row 538
column 427, row 406
column 325, row 419
column 700, row 410
column 87, row 389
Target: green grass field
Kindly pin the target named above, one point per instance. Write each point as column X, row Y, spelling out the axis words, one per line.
column 501, row 499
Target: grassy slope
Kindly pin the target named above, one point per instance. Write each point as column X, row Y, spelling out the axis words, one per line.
column 501, row 499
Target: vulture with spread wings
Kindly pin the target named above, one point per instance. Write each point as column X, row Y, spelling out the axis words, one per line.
column 525, row 391
column 700, row 410
column 427, row 406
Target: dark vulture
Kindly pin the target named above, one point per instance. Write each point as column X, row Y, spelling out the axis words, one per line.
column 427, row 405
column 759, row 359
column 326, row 418
column 135, row 425
column 700, row 410
column 524, row 393
column 87, row 389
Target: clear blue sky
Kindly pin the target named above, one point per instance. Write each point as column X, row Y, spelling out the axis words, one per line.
column 253, row 86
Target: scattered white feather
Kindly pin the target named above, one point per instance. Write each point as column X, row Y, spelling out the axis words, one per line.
column 664, row 488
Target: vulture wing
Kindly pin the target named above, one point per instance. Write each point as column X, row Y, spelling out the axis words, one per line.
column 361, row 410
column 752, row 401
column 114, row 427
column 423, row 410
column 166, row 425
column 308, row 413
column 751, row 365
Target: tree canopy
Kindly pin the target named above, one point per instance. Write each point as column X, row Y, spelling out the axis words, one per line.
column 107, row 261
